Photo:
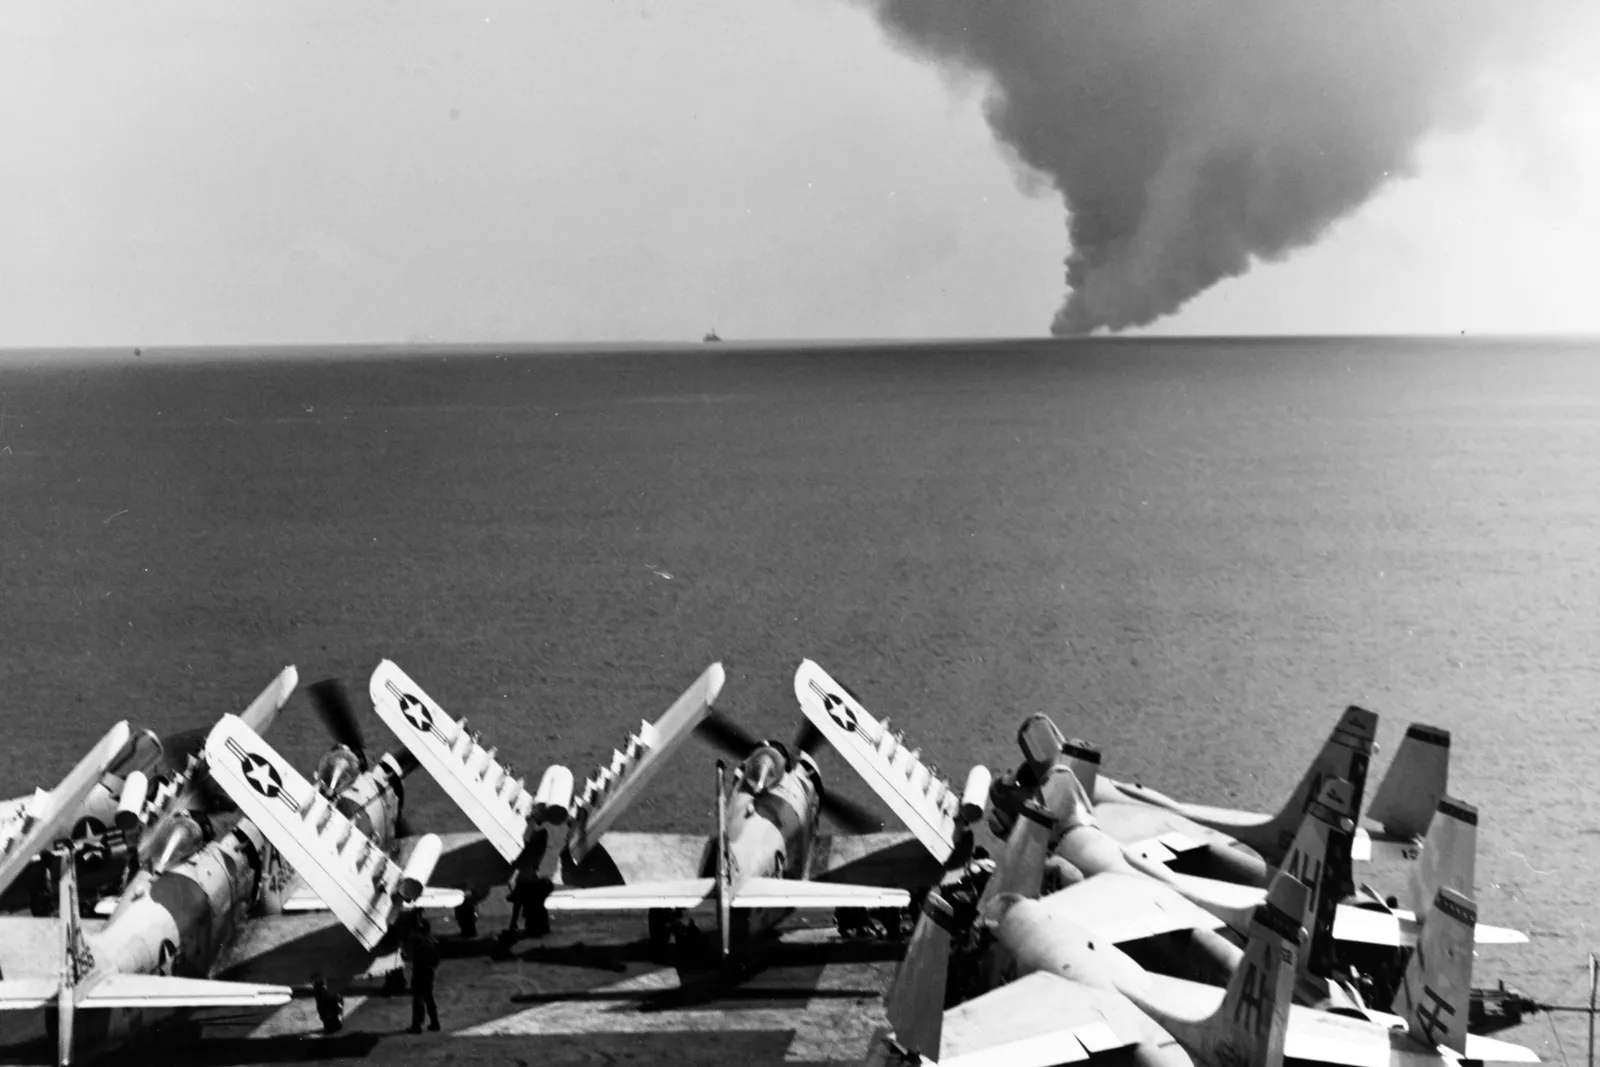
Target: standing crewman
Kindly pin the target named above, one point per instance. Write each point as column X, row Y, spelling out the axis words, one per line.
column 424, row 953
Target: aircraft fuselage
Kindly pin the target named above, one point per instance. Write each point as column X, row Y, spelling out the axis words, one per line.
column 177, row 923
column 772, row 824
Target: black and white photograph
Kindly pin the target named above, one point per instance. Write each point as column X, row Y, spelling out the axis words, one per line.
column 988, row 533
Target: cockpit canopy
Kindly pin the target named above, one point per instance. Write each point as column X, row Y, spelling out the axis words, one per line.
column 174, row 839
column 141, row 753
column 337, row 770
column 765, row 767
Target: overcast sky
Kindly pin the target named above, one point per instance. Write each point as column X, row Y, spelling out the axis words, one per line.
column 186, row 173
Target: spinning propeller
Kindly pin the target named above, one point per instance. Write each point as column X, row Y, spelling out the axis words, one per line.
column 333, row 706
column 179, row 747
column 723, row 733
column 331, row 700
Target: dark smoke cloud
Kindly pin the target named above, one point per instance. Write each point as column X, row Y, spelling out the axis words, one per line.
column 1187, row 138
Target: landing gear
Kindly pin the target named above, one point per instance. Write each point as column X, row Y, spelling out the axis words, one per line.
column 890, row 920
column 853, row 922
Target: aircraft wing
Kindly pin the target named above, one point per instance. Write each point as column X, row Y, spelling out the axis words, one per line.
column 304, row 898
column 1122, row 908
column 756, row 893
column 359, row 881
column 1401, row 929
column 497, row 804
column 684, row 893
column 49, row 816
column 160, row 991
column 263, row 710
column 1162, row 848
column 804, row 895
column 609, row 793
column 923, row 801
column 1322, row 1037
column 1038, row 1020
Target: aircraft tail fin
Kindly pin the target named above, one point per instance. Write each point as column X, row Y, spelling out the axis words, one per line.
column 1320, row 858
column 1346, row 754
column 1415, row 781
column 1020, row 869
column 498, row 804
column 1254, row 1017
column 48, row 817
column 1435, row 996
column 364, row 888
column 915, row 1001
column 1449, row 855
column 77, row 962
column 913, row 790
column 615, row 786
column 724, row 875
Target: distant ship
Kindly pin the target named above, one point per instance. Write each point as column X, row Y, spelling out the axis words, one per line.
column 712, row 336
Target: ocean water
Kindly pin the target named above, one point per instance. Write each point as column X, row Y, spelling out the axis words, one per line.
column 1194, row 553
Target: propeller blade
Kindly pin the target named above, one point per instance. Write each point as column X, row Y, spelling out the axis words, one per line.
column 177, row 747
column 332, row 703
column 722, row 732
column 808, row 738
column 850, row 815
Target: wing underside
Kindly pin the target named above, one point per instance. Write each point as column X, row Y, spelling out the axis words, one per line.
column 1038, row 1020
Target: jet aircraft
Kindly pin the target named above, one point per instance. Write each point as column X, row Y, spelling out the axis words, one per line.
column 1326, row 850
column 1060, row 992
column 1204, row 840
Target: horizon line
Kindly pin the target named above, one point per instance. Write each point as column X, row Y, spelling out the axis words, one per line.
column 734, row 344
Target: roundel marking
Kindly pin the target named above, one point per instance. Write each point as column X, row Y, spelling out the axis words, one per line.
column 262, row 776
column 839, row 712
column 87, row 827
column 416, row 713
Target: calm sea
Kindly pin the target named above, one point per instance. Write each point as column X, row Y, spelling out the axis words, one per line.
column 1195, row 553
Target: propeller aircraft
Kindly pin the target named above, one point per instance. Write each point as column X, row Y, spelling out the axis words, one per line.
column 146, row 780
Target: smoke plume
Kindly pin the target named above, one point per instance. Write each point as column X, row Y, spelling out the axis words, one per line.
column 1188, row 138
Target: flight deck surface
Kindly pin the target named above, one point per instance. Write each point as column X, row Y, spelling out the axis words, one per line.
column 587, row 993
